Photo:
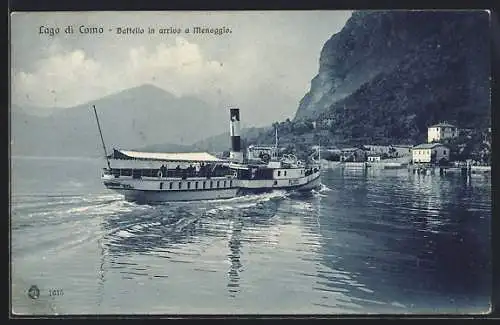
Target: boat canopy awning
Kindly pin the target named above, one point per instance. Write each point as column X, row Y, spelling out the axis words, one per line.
column 182, row 156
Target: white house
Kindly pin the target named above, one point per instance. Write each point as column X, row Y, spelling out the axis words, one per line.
column 430, row 152
column 441, row 131
column 373, row 158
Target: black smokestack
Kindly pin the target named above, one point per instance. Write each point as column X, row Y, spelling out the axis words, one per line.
column 234, row 123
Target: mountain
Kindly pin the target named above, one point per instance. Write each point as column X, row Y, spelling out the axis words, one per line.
column 133, row 118
column 215, row 144
column 165, row 147
column 387, row 75
column 222, row 142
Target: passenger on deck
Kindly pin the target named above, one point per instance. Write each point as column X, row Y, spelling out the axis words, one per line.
column 163, row 170
column 208, row 170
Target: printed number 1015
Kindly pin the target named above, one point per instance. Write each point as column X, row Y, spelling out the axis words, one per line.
column 56, row 292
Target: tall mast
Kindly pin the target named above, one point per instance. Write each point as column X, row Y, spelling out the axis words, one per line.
column 102, row 139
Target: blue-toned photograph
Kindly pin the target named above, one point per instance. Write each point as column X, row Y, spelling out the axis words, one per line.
column 250, row 163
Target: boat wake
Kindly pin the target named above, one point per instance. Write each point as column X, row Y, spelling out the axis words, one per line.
column 321, row 190
column 324, row 188
column 124, row 226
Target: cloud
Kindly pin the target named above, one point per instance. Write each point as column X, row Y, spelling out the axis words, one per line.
column 70, row 78
column 180, row 68
column 57, row 80
column 265, row 65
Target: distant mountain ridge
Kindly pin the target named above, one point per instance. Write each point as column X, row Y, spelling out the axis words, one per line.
column 214, row 144
column 133, row 118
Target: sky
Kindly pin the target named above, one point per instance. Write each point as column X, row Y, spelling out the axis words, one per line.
column 264, row 66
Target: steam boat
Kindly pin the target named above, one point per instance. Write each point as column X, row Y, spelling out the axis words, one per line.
column 148, row 177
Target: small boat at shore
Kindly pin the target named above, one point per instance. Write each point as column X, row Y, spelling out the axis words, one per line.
column 149, row 177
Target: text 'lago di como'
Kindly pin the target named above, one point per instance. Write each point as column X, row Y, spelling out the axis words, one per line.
column 131, row 30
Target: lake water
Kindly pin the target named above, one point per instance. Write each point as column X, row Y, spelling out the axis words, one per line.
column 375, row 242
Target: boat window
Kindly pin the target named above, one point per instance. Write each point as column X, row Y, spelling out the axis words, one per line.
column 279, row 173
column 217, row 184
column 136, row 173
column 224, row 183
column 189, row 184
column 230, row 183
column 275, row 182
column 196, row 185
column 284, row 173
column 204, row 184
column 211, row 184
column 170, row 185
column 180, row 185
column 161, row 185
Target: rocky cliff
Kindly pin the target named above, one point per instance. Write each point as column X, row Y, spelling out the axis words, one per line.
column 387, row 75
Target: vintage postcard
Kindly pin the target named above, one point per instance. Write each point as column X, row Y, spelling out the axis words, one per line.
column 250, row 162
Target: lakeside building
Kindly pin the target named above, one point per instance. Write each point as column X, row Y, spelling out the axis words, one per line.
column 430, row 153
column 441, row 131
column 373, row 158
column 399, row 150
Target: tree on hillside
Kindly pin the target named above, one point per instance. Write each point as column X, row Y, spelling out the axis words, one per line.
column 275, row 125
column 332, row 157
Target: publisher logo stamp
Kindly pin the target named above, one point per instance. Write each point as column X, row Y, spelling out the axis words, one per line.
column 34, row 292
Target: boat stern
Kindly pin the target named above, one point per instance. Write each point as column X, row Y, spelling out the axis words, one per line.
column 110, row 181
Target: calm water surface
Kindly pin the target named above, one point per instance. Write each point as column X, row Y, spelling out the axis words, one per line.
column 376, row 242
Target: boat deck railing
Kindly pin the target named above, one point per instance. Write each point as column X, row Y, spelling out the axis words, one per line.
column 169, row 174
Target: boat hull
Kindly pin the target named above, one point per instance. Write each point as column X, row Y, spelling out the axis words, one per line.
column 145, row 196
column 314, row 183
column 305, row 184
column 148, row 192
column 302, row 183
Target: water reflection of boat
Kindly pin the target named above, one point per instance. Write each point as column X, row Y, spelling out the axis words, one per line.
column 174, row 232
column 235, row 246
